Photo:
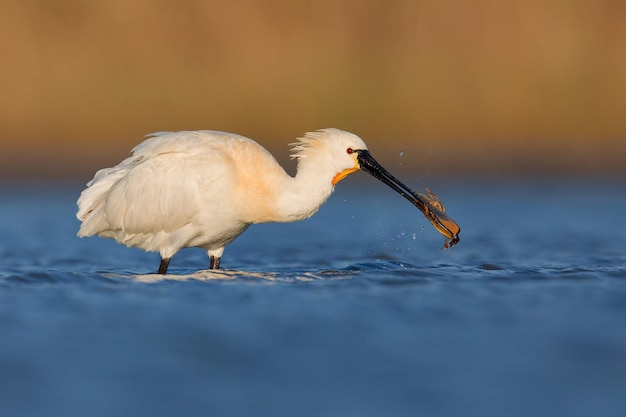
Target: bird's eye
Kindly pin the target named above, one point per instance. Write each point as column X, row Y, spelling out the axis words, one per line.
column 349, row 150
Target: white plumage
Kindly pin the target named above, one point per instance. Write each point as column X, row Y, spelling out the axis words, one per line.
column 204, row 188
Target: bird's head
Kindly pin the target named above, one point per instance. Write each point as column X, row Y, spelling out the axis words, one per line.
column 335, row 149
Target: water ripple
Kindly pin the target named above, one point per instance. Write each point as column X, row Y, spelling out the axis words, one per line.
column 382, row 272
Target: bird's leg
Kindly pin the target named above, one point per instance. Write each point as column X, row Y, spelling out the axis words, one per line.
column 165, row 262
column 214, row 262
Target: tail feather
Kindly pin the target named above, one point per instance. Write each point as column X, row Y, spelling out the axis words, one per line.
column 93, row 198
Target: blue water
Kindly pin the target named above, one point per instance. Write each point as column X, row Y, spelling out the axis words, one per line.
column 358, row 311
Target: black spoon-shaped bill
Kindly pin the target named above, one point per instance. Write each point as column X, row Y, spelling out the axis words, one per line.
column 444, row 225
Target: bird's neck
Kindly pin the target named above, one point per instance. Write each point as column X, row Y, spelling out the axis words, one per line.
column 304, row 194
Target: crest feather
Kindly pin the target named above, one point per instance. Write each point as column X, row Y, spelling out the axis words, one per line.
column 310, row 141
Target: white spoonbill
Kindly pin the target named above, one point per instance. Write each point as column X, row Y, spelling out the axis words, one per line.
column 204, row 188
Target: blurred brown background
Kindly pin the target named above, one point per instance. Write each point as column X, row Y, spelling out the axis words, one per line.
column 455, row 87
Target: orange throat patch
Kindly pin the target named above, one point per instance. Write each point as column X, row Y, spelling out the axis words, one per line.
column 344, row 174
